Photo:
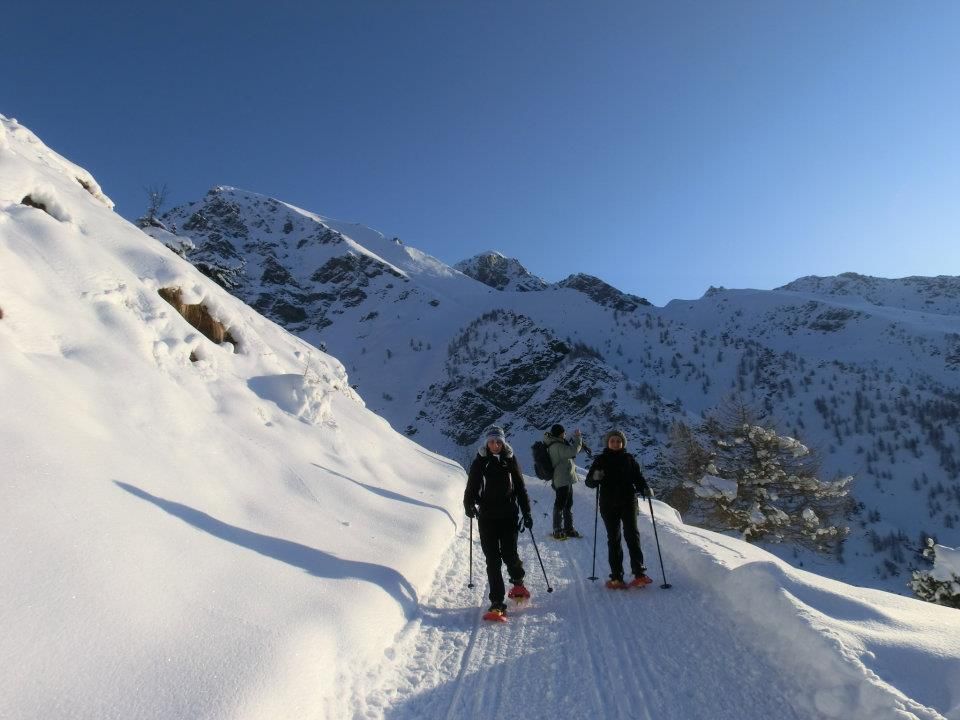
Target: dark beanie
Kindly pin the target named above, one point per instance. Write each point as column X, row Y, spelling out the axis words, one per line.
column 557, row 430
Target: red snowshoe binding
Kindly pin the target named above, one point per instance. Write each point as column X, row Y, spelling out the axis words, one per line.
column 641, row 580
column 519, row 593
column 496, row 613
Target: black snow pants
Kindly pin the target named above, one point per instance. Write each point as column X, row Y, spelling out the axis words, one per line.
column 613, row 518
column 498, row 539
column 563, row 509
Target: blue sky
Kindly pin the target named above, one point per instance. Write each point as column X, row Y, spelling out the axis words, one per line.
column 664, row 147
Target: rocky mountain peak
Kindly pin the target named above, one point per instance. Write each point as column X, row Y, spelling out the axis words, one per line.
column 603, row 293
column 500, row 272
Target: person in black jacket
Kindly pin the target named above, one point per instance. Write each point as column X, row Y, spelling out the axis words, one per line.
column 496, row 495
column 620, row 479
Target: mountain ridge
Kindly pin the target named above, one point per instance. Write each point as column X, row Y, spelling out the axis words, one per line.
column 806, row 353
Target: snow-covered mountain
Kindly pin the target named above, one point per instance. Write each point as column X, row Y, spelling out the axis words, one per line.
column 866, row 369
column 202, row 519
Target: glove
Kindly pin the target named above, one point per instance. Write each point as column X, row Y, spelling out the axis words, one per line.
column 527, row 521
column 593, row 479
column 470, row 510
column 645, row 492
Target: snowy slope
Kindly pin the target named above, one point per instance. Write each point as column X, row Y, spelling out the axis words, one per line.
column 231, row 537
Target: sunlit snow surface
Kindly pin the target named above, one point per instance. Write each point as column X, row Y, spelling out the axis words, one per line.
column 238, row 537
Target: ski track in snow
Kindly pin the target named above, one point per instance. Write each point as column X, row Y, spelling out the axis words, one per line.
column 582, row 651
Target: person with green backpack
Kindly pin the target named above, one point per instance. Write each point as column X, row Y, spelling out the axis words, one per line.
column 562, row 454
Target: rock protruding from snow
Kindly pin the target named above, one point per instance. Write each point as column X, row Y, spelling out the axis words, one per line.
column 501, row 273
column 603, row 293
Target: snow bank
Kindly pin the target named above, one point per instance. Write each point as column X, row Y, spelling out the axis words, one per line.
column 862, row 653
column 713, row 486
column 946, row 566
column 231, row 535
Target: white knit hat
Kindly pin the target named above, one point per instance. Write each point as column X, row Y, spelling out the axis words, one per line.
column 495, row 432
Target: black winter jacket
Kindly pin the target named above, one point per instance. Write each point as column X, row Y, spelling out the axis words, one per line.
column 619, row 477
column 495, row 485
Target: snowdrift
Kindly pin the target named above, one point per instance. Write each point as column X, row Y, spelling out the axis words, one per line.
column 854, row 652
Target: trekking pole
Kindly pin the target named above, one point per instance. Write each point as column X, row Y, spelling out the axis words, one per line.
column 470, row 584
column 666, row 585
column 596, row 512
column 549, row 589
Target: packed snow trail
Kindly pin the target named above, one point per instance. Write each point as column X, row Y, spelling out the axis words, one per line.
column 583, row 651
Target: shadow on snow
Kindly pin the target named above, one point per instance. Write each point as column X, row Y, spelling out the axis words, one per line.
column 389, row 494
column 316, row 562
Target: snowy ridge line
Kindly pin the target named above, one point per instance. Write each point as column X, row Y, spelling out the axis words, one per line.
column 348, row 229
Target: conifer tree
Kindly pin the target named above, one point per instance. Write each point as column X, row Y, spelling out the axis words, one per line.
column 735, row 472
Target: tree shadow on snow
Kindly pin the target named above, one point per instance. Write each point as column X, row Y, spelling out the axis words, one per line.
column 389, row 494
column 316, row 562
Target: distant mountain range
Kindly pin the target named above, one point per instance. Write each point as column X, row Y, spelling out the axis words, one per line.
column 865, row 368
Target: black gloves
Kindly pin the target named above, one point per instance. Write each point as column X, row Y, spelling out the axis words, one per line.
column 470, row 510
column 644, row 491
column 527, row 520
column 594, row 478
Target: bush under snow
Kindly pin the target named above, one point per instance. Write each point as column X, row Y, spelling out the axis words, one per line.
column 941, row 585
